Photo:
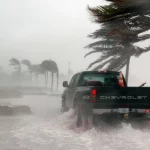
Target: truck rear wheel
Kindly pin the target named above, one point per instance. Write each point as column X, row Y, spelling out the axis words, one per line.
column 84, row 118
column 79, row 114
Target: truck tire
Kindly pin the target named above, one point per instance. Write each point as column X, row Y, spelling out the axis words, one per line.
column 79, row 121
column 83, row 116
column 95, row 120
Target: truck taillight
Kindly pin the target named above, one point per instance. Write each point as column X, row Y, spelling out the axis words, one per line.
column 147, row 110
column 93, row 95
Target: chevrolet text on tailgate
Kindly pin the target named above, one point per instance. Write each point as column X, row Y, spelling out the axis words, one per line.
column 104, row 93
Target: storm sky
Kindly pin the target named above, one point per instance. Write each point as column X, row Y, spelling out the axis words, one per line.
column 53, row 29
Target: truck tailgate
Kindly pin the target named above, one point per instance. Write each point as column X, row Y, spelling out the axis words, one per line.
column 132, row 97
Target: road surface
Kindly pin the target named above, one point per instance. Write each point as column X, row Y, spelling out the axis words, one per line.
column 48, row 129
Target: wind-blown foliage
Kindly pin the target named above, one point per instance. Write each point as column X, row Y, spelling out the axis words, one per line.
column 17, row 66
column 28, row 64
column 50, row 66
column 15, row 62
column 37, row 69
column 33, row 69
column 121, row 23
column 122, row 10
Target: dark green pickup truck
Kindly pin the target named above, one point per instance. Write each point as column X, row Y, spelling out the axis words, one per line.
column 93, row 93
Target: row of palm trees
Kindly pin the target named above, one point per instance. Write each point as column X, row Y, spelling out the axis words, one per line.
column 46, row 67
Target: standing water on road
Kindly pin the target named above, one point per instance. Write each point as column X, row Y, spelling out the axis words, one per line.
column 47, row 129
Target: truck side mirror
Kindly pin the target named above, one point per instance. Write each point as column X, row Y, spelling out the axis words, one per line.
column 65, row 84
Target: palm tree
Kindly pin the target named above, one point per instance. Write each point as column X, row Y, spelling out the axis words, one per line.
column 37, row 69
column 29, row 65
column 54, row 69
column 50, row 66
column 17, row 66
column 34, row 69
column 122, row 22
column 45, row 66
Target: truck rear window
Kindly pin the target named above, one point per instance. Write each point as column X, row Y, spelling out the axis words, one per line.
column 107, row 79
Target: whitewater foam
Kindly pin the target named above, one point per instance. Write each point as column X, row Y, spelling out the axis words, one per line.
column 57, row 132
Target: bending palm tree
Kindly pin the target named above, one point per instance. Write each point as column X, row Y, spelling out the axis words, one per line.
column 36, row 69
column 45, row 66
column 54, row 69
column 39, row 70
column 17, row 66
column 28, row 64
column 51, row 66
column 122, row 22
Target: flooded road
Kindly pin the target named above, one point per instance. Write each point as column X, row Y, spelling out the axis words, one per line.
column 48, row 129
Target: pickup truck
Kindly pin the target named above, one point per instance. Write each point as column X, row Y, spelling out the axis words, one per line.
column 98, row 93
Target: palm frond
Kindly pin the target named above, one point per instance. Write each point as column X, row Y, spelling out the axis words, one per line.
column 26, row 62
column 100, row 66
column 14, row 62
column 99, row 50
column 103, row 43
column 118, row 63
column 121, row 23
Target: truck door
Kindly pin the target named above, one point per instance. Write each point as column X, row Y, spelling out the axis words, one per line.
column 67, row 96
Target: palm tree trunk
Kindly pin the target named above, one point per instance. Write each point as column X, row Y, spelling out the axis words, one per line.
column 52, row 75
column 127, row 70
column 45, row 79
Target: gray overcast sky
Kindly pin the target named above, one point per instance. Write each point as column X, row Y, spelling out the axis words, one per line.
column 52, row 29
column 45, row 29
